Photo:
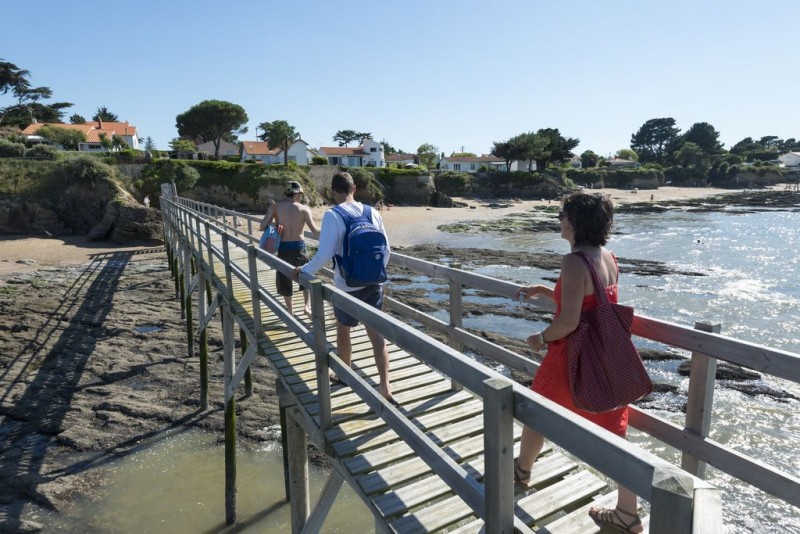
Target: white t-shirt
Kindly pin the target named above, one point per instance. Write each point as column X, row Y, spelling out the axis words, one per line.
column 331, row 239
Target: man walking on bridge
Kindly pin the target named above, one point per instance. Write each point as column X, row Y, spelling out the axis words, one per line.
column 335, row 225
column 293, row 215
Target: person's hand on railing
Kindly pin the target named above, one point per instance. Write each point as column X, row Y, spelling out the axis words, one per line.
column 532, row 291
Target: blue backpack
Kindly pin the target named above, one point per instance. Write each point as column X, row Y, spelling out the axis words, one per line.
column 363, row 250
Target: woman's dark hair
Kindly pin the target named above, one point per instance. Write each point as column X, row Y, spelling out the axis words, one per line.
column 342, row 182
column 591, row 216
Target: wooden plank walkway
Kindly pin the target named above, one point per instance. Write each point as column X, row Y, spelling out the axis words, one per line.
column 397, row 486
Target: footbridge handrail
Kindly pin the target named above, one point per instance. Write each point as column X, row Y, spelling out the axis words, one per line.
column 680, row 501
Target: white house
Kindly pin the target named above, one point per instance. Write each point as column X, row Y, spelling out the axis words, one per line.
column 225, row 148
column 261, row 151
column 401, row 159
column 790, row 159
column 368, row 154
column 93, row 131
column 619, row 163
column 472, row 163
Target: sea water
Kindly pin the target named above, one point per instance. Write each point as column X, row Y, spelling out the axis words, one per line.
column 751, row 287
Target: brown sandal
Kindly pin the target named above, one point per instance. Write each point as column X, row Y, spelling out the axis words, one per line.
column 610, row 517
column 521, row 476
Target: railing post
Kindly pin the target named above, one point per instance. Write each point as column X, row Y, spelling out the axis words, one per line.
column 320, row 352
column 203, row 341
column 187, row 297
column 679, row 506
column 229, row 364
column 498, row 444
column 456, row 318
column 699, row 405
column 298, row 472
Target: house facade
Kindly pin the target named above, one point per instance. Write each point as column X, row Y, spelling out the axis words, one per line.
column 368, row 154
column 472, row 164
column 93, row 131
column 261, row 151
column 790, row 159
column 225, row 148
column 402, row 159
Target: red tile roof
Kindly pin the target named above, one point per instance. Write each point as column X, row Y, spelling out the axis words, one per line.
column 478, row 159
column 259, row 148
column 343, row 151
column 91, row 130
column 401, row 157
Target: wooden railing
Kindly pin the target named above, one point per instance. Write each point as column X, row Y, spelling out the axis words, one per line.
column 680, row 501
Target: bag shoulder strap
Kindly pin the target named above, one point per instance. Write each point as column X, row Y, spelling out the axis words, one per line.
column 599, row 290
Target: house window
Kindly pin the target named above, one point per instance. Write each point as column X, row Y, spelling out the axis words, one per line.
column 373, row 149
column 293, row 158
column 456, row 166
column 472, row 166
column 333, row 160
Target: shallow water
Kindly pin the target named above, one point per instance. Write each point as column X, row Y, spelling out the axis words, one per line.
column 177, row 485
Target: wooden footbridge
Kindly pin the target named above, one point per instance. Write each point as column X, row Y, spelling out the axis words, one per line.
column 442, row 460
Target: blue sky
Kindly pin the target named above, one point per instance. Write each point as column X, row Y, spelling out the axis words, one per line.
column 461, row 73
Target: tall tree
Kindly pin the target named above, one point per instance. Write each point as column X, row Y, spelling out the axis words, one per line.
column 279, row 133
column 655, row 140
column 27, row 108
column 345, row 137
column 388, row 149
column 102, row 114
column 427, row 154
column 149, row 144
column 690, row 155
column 627, row 153
column 556, row 149
column 589, row 159
column 77, row 119
column 212, row 120
column 505, row 151
column 66, row 137
column 182, row 145
column 704, row 136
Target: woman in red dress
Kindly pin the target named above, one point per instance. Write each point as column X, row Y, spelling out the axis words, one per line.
column 586, row 221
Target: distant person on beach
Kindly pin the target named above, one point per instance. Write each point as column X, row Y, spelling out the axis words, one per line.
column 330, row 244
column 146, row 201
column 294, row 216
column 586, row 221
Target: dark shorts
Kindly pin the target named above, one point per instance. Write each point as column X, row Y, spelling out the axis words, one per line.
column 295, row 257
column 372, row 295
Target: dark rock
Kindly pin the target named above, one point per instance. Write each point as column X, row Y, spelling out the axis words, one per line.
column 725, row 371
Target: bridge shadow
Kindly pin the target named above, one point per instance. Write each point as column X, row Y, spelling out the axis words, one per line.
column 40, row 381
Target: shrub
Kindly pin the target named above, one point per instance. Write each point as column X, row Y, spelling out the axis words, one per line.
column 9, row 149
column 82, row 169
column 42, row 152
column 453, row 184
column 319, row 160
column 185, row 177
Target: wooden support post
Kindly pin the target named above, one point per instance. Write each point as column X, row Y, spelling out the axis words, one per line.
column 283, row 405
column 681, row 507
column 228, row 345
column 203, row 341
column 177, row 280
column 298, row 472
column 326, row 500
column 248, row 374
column 320, row 353
column 498, row 445
column 699, row 405
column 187, row 297
column 456, row 318
column 181, row 290
column 209, row 247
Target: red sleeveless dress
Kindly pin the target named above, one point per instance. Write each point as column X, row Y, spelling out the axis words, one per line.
column 552, row 378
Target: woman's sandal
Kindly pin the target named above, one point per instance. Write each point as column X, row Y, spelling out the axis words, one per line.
column 610, row 517
column 521, row 477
